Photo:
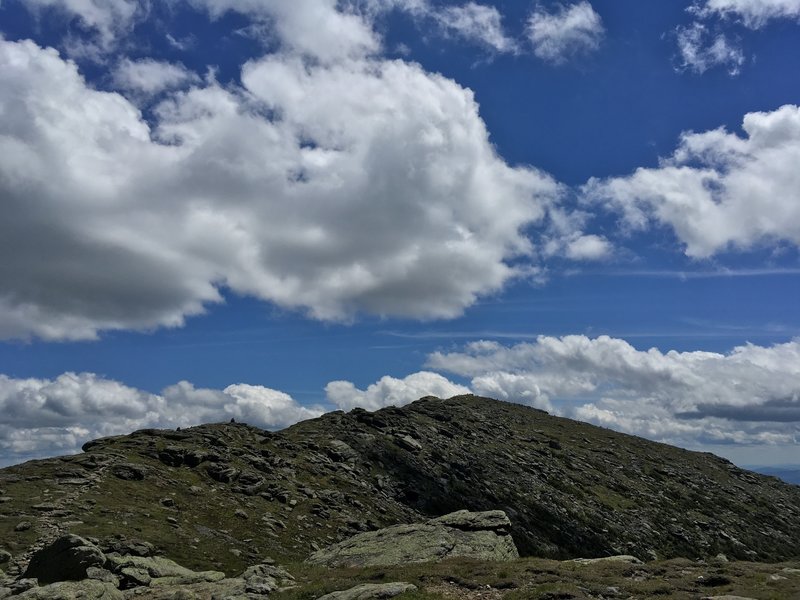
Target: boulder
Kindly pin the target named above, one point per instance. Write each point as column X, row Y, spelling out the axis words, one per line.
column 340, row 451
column 482, row 536
column 88, row 589
column 619, row 558
column 495, row 520
column 156, row 570
column 128, row 472
column 66, row 559
column 371, row 591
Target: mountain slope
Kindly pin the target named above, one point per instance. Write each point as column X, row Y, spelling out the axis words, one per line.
column 221, row 496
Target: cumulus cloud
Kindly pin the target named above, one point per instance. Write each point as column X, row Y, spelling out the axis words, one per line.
column 389, row 391
column 150, row 77
column 569, row 31
column 323, row 29
column 700, row 50
column 43, row 417
column 565, row 236
column 719, row 190
column 105, row 21
column 362, row 185
column 750, row 395
column 753, row 13
column 476, row 22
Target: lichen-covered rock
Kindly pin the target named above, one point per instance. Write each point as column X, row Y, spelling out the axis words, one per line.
column 619, row 558
column 88, row 589
column 371, row 591
column 156, row 570
column 256, row 581
column 495, row 520
column 483, row 536
column 66, row 559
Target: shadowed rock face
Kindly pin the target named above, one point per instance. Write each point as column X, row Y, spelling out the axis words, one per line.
column 66, row 559
column 222, row 496
column 482, row 536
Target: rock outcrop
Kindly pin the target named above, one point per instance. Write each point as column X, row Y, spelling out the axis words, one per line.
column 482, row 536
column 371, row 591
column 72, row 567
column 66, row 559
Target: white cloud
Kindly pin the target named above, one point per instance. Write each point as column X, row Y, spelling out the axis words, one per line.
column 753, row 13
column 569, row 31
column 750, row 395
column 476, row 22
column 150, row 77
column 106, row 21
column 565, row 236
column 323, row 29
column 41, row 417
column 719, row 190
column 357, row 186
column 389, row 391
column 701, row 50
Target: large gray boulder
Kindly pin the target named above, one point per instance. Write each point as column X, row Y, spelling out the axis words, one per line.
column 66, row 559
column 371, row 591
column 156, row 570
column 88, row 589
column 482, row 536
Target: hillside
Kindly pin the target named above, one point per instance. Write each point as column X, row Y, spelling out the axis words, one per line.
column 224, row 495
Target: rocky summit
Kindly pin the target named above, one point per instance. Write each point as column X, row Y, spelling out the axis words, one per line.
column 342, row 489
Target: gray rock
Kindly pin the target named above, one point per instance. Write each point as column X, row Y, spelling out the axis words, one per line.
column 160, row 570
column 22, row 585
column 66, row 559
column 105, row 575
column 409, row 443
column 132, row 547
column 134, row 577
column 495, row 520
column 222, row 472
column 340, row 451
column 4, row 557
column 456, row 535
column 128, row 472
column 23, row 526
column 620, row 558
column 371, row 591
column 88, row 589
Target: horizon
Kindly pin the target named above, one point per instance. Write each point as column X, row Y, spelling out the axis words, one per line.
column 270, row 210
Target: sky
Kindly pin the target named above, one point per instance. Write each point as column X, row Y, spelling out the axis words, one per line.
column 269, row 209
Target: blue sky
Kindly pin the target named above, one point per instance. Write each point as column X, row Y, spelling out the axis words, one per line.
column 269, row 209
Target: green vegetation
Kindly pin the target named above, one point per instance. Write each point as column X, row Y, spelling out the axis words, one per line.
column 530, row 578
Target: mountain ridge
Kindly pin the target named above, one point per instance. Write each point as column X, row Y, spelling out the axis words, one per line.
column 221, row 495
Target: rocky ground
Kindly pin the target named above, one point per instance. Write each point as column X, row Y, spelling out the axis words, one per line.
column 463, row 555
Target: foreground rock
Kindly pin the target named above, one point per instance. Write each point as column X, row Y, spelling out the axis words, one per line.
column 371, row 591
column 619, row 558
column 478, row 535
column 66, row 559
column 88, row 589
column 72, row 567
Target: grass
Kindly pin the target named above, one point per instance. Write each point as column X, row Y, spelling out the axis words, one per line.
column 532, row 578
